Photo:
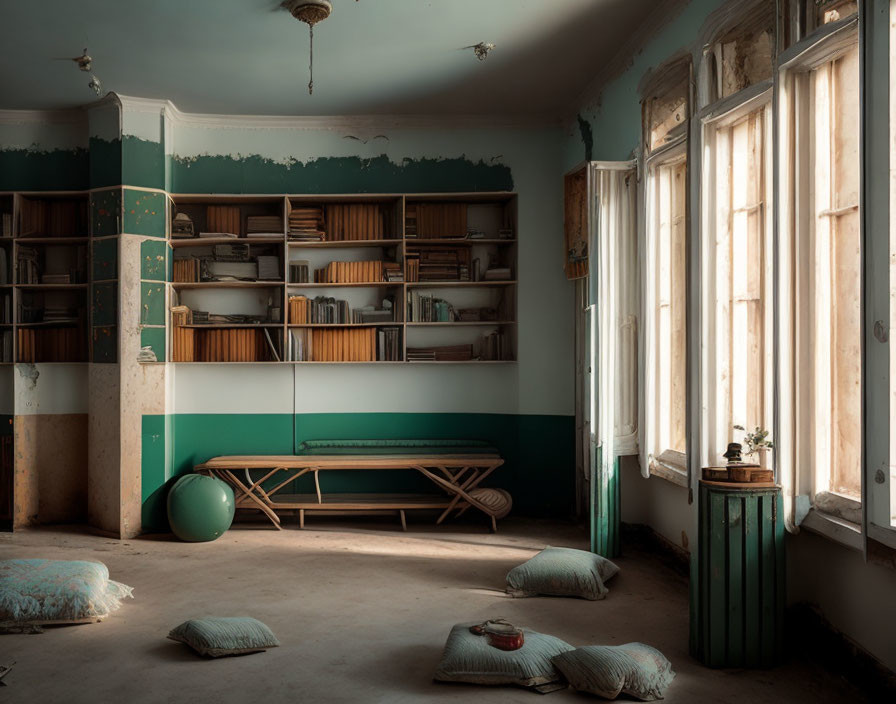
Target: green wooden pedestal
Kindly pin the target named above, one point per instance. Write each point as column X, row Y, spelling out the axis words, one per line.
column 737, row 578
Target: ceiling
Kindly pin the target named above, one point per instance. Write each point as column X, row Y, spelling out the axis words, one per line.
column 370, row 56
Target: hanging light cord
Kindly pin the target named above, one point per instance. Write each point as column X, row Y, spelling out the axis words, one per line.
column 311, row 60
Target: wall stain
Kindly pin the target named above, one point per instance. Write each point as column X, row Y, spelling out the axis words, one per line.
column 256, row 174
column 586, row 135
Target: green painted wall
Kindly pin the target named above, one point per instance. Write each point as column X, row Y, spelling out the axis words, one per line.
column 345, row 174
column 538, row 450
column 105, row 162
column 143, row 162
column 39, row 170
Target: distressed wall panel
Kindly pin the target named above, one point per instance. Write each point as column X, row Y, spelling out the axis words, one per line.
column 144, row 213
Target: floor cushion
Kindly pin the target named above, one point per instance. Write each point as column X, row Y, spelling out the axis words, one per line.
column 634, row 669
column 200, row 508
column 57, row 591
column 217, row 637
column 562, row 572
column 469, row 658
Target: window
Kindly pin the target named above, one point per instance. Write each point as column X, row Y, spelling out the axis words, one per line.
column 805, row 16
column 667, row 98
column 821, row 275
column 736, row 276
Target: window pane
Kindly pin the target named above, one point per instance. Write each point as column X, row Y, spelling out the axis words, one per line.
column 666, row 112
column 834, row 10
column 744, row 61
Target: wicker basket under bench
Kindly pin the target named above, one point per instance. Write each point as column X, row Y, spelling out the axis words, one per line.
column 457, row 467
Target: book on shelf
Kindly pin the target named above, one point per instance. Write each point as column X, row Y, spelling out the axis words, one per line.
column 7, row 224
column 354, row 221
column 223, row 345
column 426, row 308
column 388, row 344
column 336, row 345
column 55, row 278
column 392, row 272
column 440, row 262
column 494, row 347
column 4, row 266
column 64, row 344
column 185, row 271
column 28, row 269
column 222, row 221
column 7, row 345
column 436, row 220
column 445, row 353
column 369, row 314
column 306, row 223
column 350, row 272
column 264, row 226
column 411, row 267
column 300, row 271
column 269, row 268
column 217, row 235
column 53, row 218
column 502, row 273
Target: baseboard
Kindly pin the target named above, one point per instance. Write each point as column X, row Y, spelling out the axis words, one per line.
column 673, row 555
column 809, row 632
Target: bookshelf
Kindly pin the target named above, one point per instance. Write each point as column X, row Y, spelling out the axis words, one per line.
column 44, row 277
column 360, row 279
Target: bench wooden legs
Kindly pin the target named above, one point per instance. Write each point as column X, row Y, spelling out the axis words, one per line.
column 404, row 523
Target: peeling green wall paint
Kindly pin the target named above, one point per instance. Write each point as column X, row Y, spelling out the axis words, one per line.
column 539, row 470
column 105, row 344
column 105, row 212
column 105, row 162
column 153, row 260
column 256, row 174
column 37, row 170
column 154, row 338
column 142, row 162
column 144, row 213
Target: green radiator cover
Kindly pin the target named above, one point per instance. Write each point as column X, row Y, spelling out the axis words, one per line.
column 737, row 578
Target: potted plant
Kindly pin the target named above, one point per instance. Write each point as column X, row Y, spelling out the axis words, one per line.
column 757, row 445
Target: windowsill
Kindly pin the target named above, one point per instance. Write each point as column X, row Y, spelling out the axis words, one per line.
column 837, row 529
column 671, row 469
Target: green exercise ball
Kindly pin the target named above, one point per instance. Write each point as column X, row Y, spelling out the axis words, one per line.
column 200, row 508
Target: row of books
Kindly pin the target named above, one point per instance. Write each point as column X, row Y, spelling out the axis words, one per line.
column 345, row 345
column 29, row 267
column 51, row 345
column 436, row 220
column 438, row 263
column 224, row 345
column 263, row 225
column 53, row 218
column 184, row 271
column 354, row 221
column 495, row 346
column 351, row 272
column 424, row 308
column 326, row 310
column 306, row 223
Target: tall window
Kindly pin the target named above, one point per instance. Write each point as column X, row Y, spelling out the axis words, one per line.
column 664, row 443
column 736, row 272
column 821, row 273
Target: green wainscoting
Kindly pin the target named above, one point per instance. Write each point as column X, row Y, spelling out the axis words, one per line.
column 539, row 451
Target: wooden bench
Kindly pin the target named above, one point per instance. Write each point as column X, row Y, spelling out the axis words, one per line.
column 457, row 468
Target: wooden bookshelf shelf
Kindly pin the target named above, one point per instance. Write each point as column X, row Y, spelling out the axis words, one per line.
column 344, row 244
column 52, row 287
column 50, row 324
column 176, row 243
column 357, row 228
column 53, row 240
column 227, row 284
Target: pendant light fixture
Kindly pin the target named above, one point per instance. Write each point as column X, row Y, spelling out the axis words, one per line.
column 310, row 12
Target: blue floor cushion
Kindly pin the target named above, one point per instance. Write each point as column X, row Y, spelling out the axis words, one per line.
column 469, row 658
column 217, row 637
column 562, row 572
column 57, row 591
column 634, row 669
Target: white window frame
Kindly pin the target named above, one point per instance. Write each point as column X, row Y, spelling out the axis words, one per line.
column 665, row 463
column 796, row 476
column 714, row 420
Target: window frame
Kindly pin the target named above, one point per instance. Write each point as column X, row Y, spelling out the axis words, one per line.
column 825, row 44
column 725, row 114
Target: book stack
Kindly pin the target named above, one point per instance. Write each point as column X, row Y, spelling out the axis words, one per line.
column 501, row 273
column 494, row 347
column 369, row 314
column 436, row 220
column 306, row 223
column 269, row 268
column 392, row 272
column 354, row 221
column 441, row 263
column 59, row 314
column 222, row 220
column 299, row 271
column 350, row 273
column 28, row 269
column 428, row 309
column 55, row 278
column 50, row 345
column 185, row 271
column 451, row 353
column 338, row 345
column 264, row 226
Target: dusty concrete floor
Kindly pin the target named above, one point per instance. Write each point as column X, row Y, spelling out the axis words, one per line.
column 362, row 611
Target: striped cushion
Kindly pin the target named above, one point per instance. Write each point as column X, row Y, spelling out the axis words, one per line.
column 225, row 636
column 634, row 669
